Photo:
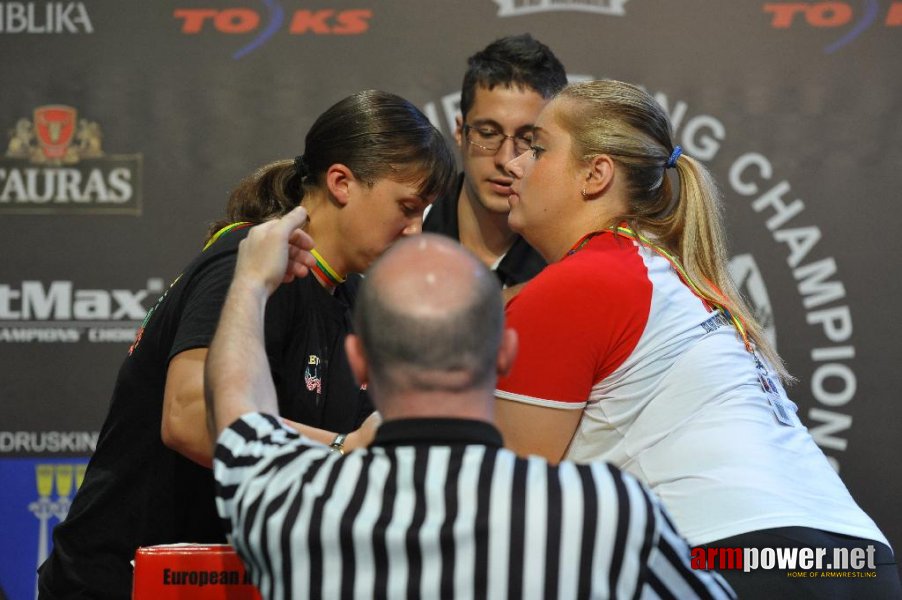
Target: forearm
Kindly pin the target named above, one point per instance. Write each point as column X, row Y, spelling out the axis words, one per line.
column 237, row 373
column 185, row 431
column 359, row 438
column 323, row 436
column 530, row 429
column 509, row 293
column 183, row 427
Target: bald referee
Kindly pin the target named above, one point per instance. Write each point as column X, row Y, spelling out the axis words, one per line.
column 435, row 508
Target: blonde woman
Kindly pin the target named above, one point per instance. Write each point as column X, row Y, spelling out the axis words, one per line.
column 636, row 348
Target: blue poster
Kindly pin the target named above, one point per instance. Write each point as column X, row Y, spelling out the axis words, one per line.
column 35, row 495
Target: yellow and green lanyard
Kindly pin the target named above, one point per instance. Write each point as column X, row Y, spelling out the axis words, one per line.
column 225, row 230
column 323, row 269
column 216, row 236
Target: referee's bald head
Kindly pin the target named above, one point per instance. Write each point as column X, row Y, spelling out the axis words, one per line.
column 430, row 317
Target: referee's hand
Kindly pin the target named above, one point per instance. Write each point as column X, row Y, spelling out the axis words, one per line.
column 275, row 252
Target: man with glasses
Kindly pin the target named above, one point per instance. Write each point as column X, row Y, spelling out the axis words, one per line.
column 504, row 88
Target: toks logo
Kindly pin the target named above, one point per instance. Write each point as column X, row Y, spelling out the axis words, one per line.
column 54, row 163
column 238, row 21
column 832, row 15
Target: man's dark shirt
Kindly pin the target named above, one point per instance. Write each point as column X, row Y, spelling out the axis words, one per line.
column 520, row 264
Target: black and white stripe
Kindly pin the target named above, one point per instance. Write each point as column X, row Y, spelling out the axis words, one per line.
column 443, row 521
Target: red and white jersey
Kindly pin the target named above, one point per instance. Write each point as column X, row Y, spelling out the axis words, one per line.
column 670, row 394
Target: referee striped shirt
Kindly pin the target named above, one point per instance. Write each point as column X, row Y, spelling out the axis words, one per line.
column 436, row 508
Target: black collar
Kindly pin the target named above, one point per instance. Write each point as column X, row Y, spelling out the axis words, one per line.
column 442, row 217
column 521, row 263
column 403, row 432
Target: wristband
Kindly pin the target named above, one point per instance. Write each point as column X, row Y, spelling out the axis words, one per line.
column 338, row 444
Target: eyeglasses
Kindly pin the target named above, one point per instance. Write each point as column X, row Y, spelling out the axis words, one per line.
column 491, row 140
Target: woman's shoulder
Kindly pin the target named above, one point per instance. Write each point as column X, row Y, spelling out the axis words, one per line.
column 603, row 261
column 606, row 274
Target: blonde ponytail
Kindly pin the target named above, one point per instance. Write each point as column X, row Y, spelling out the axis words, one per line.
column 623, row 121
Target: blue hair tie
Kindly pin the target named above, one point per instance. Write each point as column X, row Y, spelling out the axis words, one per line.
column 671, row 162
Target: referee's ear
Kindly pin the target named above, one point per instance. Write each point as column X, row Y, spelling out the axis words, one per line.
column 507, row 352
column 357, row 359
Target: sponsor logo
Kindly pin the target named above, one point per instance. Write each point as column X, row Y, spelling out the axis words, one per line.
column 513, row 8
column 799, row 562
column 37, row 495
column 750, row 283
column 312, row 375
column 54, row 163
column 173, row 572
column 47, row 442
column 752, row 177
column 204, row 578
column 243, row 21
column 450, row 109
column 45, row 17
column 852, row 19
column 139, row 334
column 59, row 312
column 56, row 485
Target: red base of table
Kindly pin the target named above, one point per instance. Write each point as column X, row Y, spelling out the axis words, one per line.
column 196, row 571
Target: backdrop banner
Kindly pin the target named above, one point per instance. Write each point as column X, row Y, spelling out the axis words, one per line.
column 124, row 124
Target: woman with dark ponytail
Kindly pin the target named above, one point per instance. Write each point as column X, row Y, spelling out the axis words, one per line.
column 636, row 348
column 371, row 165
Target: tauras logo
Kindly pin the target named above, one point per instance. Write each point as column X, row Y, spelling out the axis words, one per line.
column 44, row 17
column 59, row 312
column 54, row 163
column 512, row 8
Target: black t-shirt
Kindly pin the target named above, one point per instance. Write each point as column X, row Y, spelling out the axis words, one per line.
column 136, row 491
column 521, row 263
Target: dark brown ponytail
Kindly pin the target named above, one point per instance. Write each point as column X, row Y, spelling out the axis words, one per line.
column 373, row 133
